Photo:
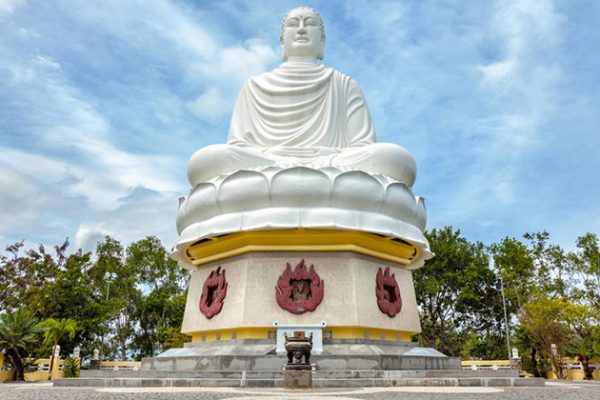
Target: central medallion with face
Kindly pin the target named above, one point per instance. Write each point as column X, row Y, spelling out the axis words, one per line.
column 300, row 289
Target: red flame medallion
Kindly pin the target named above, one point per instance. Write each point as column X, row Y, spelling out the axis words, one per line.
column 388, row 293
column 300, row 290
column 213, row 293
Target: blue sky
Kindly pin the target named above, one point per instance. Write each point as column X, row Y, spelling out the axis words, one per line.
column 103, row 102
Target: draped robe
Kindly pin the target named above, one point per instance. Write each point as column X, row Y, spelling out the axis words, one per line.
column 301, row 105
column 301, row 114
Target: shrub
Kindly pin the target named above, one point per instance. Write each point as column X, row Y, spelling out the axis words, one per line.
column 71, row 367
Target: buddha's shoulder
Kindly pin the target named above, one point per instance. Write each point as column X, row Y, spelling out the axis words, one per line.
column 287, row 74
column 287, row 69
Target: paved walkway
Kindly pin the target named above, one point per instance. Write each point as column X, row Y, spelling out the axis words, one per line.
column 552, row 390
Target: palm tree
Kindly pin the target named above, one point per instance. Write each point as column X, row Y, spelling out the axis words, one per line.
column 19, row 330
column 56, row 330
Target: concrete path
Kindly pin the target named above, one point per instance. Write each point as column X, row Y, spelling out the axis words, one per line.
column 552, row 390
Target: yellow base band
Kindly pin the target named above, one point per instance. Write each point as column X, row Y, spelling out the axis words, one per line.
column 358, row 332
column 338, row 332
column 221, row 247
column 232, row 334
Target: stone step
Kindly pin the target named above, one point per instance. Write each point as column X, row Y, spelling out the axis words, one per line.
column 317, row 382
column 182, row 374
column 318, row 374
column 469, row 373
column 325, row 362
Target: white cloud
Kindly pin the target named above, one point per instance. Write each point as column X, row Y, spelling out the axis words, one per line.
column 62, row 120
column 494, row 72
column 141, row 213
column 474, row 94
column 33, row 165
column 88, row 235
column 20, row 200
column 226, row 72
column 522, row 91
column 235, row 64
column 210, row 104
column 28, row 33
column 146, row 26
column 9, row 6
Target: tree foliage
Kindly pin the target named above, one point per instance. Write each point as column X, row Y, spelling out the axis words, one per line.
column 20, row 331
column 126, row 316
column 552, row 298
column 55, row 330
column 456, row 292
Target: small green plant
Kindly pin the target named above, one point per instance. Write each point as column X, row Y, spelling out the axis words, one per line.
column 71, row 367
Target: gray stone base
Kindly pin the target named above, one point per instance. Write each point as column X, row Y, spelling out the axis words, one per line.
column 338, row 354
column 317, row 382
column 344, row 363
column 297, row 379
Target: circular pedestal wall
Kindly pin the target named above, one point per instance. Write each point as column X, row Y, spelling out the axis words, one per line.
column 245, row 289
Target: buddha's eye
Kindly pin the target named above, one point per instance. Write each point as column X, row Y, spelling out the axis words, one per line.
column 293, row 22
column 310, row 22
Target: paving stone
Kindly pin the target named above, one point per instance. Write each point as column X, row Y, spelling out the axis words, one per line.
column 553, row 391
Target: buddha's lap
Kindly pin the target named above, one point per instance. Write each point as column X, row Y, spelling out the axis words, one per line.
column 379, row 158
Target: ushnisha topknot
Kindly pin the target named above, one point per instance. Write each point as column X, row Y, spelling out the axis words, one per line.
column 321, row 25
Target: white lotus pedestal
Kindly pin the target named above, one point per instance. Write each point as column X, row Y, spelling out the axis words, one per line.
column 299, row 246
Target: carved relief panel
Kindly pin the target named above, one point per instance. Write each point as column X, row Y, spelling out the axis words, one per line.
column 299, row 290
column 213, row 293
column 388, row 293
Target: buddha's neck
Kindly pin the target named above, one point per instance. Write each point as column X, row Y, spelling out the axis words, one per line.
column 302, row 60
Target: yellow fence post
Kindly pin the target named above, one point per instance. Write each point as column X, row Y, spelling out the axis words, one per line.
column 56, row 363
column 77, row 357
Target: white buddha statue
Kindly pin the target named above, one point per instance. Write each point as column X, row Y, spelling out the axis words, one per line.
column 302, row 113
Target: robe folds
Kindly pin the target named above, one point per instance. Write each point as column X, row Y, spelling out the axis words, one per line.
column 301, row 105
column 301, row 114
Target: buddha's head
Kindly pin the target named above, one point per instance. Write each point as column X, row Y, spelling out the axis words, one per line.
column 302, row 34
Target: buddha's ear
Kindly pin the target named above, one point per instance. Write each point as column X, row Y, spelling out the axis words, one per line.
column 282, row 47
column 321, row 53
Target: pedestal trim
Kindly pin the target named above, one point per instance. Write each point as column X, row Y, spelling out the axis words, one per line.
column 302, row 240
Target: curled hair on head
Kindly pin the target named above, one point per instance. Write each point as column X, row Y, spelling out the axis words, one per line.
column 319, row 21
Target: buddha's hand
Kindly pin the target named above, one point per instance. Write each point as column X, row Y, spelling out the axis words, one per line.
column 301, row 152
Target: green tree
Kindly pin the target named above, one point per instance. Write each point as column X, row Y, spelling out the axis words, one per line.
column 118, row 296
column 161, row 305
column 514, row 263
column 582, row 320
column 23, row 277
column 133, row 313
column 543, row 321
column 586, row 264
column 55, row 330
column 549, row 292
column 53, row 285
column 20, row 331
column 456, row 291
column 154, row 267
column 553, row 267
column 72, row 296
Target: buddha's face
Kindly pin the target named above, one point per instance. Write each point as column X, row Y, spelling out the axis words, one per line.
column 302, row 35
